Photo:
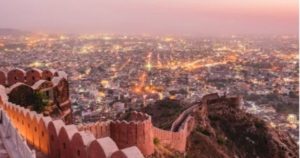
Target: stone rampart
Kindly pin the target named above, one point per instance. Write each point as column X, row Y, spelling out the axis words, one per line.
column 101, row 139
column 136, row 132
column 139, row 131
column 14, row 143
column 131, row 152
column 182, row 117
column 53, row 137
column 29, row 77
column 53, row 84
column 100, row 129
column 210, row 98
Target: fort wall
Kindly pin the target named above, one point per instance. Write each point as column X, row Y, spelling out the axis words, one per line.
column 233, row 101
column 139, row 131
column 12, row 138
column 52, row 83
column 120, row 138
column 209, row 98
column 28, row 77
column 175, row 140
column 54, row 138
column 182, row 117
column 128, row 152
column 104, row 147
column 135, row 132
column 100, row 129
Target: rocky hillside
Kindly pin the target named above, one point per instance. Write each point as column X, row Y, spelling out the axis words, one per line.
column 224, row 131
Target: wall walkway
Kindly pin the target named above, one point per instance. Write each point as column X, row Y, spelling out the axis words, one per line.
column 15, row 144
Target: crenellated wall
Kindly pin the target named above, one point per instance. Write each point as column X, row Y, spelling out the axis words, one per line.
column 139, row 131
column 104, row 147
column 175, row 140
column 209, row 98
column 52, row 83
column 56, row 139
column 14, row 143
column 28, row 77
column 33, row 76
column 14, row 76
column 117, row 139
column 136, row 132
column 99, row 129
column 234, row 101
column 182, row 117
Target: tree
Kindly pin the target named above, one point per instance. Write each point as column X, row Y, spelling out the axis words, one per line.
column 40, row 101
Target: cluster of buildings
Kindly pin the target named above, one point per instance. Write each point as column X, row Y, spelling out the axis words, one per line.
column 109, row 74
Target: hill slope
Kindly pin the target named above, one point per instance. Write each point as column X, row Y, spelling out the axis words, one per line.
column 223, row 130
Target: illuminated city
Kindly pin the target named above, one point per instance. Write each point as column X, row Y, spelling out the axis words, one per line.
column 152, row 95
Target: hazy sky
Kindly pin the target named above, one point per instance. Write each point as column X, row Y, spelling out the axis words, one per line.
column 189, row 17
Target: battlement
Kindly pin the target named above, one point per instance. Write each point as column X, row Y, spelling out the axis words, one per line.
column 53, row 84
column 233, row 101
column 134, row 132
column 56, row 139
column 139, row 131
column 133, row 137
column 29, row 77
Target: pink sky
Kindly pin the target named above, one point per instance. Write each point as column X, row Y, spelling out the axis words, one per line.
column 188, row 17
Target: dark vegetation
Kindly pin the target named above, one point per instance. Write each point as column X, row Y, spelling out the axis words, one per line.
column 28, row 98
column 164, row 112
column 156, row 141
column 40, row 101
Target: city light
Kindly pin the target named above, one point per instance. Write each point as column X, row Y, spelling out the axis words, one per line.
column 149, row 79
column 36, row 64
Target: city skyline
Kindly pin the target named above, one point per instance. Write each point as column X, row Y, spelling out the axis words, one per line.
column 149, row 79
column 154, row 17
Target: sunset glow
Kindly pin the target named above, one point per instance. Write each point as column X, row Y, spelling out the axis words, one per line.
column 190, row 17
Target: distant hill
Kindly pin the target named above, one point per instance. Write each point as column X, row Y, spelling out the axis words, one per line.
column 13, row 32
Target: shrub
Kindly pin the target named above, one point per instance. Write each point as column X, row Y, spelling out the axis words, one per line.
column 196, row 141
column 40, row 101
column 156, row 141
column 259, row 124
column 213, row 117
column 221, row 140
column 203, row 131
